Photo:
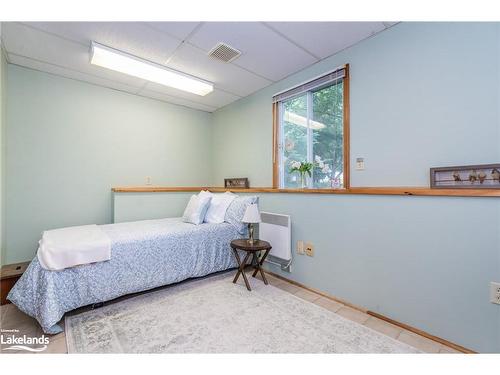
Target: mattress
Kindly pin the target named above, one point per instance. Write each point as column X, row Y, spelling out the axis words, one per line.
column 144, row 255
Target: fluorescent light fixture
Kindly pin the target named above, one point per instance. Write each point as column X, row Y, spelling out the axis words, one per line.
column 134, row 66
column 302, row 121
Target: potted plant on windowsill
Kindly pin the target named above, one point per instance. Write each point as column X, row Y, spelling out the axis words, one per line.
column 304, row 168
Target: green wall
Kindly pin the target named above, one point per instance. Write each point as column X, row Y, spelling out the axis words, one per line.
column 422, row 95
column 69, row 142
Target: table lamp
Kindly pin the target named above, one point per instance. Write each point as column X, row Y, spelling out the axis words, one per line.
column 252, row 216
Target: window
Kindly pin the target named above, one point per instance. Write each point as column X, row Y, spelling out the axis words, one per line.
column 311, row 126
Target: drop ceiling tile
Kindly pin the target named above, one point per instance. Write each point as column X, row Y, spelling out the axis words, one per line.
column 44, row 67
column 226, row 76
column 216, row 98
column 263, row 50
column 179, row 30
column 175, row 100
column 135, row 38
column 38, row 45
column 326, row 38
column 63, row 49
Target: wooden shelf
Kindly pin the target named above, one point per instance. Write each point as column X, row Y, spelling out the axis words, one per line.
column 409, row 191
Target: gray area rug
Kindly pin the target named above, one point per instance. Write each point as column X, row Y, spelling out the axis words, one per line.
column 213, row 315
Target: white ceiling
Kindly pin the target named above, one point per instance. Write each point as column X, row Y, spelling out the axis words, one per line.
column 270, row 52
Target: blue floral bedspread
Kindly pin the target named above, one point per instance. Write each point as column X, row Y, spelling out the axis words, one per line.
column 144, row 255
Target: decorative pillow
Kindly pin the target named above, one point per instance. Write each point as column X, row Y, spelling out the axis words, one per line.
column 218, row 206
column 196, row 209
column 236, row 211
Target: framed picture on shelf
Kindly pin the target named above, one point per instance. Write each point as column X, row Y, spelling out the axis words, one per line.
column 484, row 176
column 236, row 183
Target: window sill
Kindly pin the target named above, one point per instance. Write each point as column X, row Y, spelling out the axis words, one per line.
column 409, row 191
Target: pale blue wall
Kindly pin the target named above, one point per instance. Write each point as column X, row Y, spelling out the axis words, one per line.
column 3, row 79
column 424, row 261
column 69, row 142
column 145, row 206
column 422, row 95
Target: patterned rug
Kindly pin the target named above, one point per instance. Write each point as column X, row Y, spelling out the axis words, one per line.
column 213, row 315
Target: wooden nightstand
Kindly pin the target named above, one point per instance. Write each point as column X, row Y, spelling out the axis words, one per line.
column 251, row 249
column 9, row 274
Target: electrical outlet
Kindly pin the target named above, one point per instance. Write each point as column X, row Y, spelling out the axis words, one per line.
column 495, row 293
column 148, row 180
column 309, row 249
column 300, row 247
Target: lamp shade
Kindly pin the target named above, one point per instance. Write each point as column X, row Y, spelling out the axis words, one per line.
column 252, row 214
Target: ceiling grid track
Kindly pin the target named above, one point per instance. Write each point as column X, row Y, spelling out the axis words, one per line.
column 183, row 41
column 290, row 40
column 174, row 46
column 53, row 34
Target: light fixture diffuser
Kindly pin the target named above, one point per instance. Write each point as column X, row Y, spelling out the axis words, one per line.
column 122, row 62
column 302, row 121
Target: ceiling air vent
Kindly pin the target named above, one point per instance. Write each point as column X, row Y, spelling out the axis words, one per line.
column 224, row 52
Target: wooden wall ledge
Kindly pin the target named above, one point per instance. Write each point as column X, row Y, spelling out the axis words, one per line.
column 418, row 191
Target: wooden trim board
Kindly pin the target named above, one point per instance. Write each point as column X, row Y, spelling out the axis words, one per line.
column 347, row 303
column 346, row 129
column 275, row 147
column 421, row 333
column 409, row 191
column 377, row 315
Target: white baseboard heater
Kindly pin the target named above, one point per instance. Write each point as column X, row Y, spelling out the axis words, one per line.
column 277, row 230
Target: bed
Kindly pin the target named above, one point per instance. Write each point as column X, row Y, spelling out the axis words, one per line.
column 144, row 255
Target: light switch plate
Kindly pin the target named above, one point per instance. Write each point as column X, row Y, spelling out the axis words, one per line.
column 300, row 247
column 360, row 164
column 309, row 249
column 495, row 293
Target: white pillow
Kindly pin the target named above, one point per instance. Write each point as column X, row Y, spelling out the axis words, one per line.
column 196, row 209
column 218, row 206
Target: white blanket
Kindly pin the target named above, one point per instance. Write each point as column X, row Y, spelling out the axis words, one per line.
column 67, row 247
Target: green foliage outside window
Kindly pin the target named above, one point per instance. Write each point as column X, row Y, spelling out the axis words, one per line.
column 314, row 136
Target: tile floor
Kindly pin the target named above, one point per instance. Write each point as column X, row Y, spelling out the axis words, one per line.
column 11, row 317
column 422, row 343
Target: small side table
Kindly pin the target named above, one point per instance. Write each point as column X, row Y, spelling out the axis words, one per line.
column 250, row 249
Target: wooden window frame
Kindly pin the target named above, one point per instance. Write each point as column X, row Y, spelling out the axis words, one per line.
column 346, row 137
